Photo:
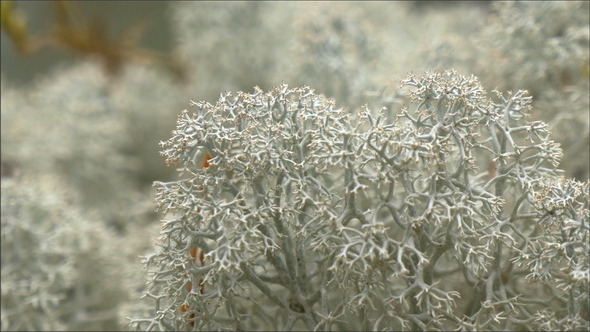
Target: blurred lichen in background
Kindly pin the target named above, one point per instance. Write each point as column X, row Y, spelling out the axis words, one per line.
column 60, row 266
column 80, row 153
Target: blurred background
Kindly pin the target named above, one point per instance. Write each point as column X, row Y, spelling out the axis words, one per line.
column 114, row 16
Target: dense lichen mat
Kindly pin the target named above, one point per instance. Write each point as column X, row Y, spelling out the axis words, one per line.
column 297, row 166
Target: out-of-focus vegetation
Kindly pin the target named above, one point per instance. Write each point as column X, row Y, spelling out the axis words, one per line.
column 114, row 33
